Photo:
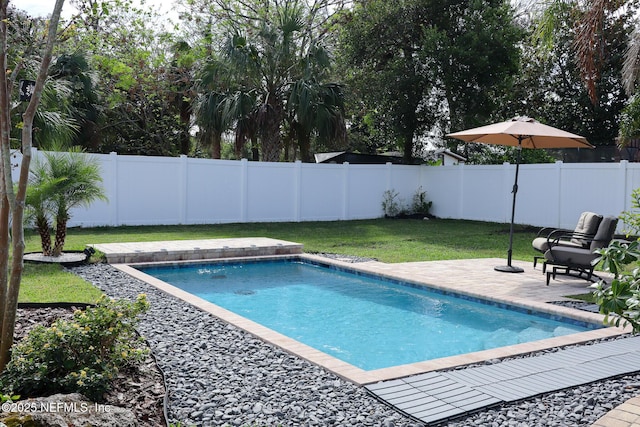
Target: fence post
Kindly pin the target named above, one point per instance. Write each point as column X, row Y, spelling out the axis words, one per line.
column 345, row 191
column 297, row 189
column 244, row 184
column 183, row 189
column 461, row 172
column 624, row 187
column 113, row 200
column 389, row 176
column 559, row 165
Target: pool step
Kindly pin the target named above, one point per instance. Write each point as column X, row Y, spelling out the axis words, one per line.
column 436, row 396
column 185, row 250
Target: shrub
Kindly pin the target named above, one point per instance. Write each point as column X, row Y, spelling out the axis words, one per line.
column 390, row 203
column 622, row 297
column 80, row 355
column 420, row 204
column 620, row 302
column 631, row 218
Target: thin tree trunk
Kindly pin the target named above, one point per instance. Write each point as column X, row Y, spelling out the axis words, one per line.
column 5, row 129
column 185, row 119
column 255, row 151
column 4, row 263
column 17, row 198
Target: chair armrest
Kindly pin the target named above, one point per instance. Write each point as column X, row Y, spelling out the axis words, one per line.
column 554, row 238
column 546, row 231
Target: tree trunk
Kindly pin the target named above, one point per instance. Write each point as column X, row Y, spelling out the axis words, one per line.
column 5, row 131
column 61, row 236
column 4, row 271
column 255, row 151
column 408, row 148
column 42, row 224
column 304, row 141
column 14, row 200
column 271, row 144
column 271, row 141
column 185, row 120
column 216, row 145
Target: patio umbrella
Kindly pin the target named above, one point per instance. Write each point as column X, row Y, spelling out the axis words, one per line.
column 521, row 132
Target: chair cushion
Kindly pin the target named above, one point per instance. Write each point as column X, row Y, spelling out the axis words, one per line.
column 566, row 255
column 605, row 233
column 587, row 224
column 542, row 244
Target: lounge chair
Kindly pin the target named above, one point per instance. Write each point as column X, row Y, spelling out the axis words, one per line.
column 579, row 261
column 580, row 237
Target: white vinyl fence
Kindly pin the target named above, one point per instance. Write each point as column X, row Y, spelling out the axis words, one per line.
column 168, row 190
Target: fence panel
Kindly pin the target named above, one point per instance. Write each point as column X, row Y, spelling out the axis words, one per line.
column 270, row 195
column 484, row 194
column 148, row 190
column 159, row 190
column 322, row 192
column 366, row 185
column 214, row 192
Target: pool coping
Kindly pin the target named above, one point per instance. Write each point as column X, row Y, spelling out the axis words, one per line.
column 358, row 375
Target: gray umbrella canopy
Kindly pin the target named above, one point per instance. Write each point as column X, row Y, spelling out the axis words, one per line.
column 521, row 132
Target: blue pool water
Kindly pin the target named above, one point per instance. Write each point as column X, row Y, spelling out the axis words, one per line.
column 366, row 321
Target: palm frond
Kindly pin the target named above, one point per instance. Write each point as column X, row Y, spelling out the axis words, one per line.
column 631, row 66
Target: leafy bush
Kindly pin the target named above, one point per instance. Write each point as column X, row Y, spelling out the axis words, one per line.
column 622, row 298
column 80, row 355
column 631, row 218
column 391, row 203
column 420, row 204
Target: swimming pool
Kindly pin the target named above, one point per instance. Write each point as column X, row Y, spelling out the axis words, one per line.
column 369, row 322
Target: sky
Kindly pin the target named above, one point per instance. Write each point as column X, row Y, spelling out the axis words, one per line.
column 45, row 7
column 42, row 7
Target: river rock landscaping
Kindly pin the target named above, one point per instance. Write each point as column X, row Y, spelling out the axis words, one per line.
column 219, row 375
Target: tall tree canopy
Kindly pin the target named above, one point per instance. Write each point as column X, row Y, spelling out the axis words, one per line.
column 420, row 65
column 119, row 58
column 268, row 78
column 565, row 82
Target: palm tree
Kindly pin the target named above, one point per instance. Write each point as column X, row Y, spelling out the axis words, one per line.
column 38, row 203
column 589, row 41
column 63, row 181
column 252, row 84
column 211, row 116
column 314, row 106
column 81, row 99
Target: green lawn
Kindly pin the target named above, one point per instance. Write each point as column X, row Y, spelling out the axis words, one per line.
column 384, row 239
column 50, row 283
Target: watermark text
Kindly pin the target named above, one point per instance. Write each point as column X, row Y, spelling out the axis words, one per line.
column 54, row 407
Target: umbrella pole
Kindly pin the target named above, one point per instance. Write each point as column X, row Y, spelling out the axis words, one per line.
column 510, row 268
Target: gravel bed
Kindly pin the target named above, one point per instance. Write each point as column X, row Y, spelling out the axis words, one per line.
column 220, row 375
